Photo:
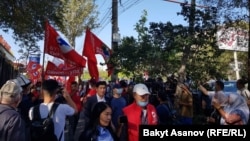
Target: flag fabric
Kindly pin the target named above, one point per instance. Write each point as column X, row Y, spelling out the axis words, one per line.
column 89, row 52
column 58, row 62
column 33, row 66
column 64, row 70
column 95, row 46
column 93, row 70
column 34, row 71
column 58, row 47
column 92, row 46
column 35, row 76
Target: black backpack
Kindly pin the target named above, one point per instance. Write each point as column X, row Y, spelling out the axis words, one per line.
column 43, row 129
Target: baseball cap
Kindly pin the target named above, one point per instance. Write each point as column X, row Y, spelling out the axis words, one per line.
column 141, row 89
column 11, row 88
column 23, row 80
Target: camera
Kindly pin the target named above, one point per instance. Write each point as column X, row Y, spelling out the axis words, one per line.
column 123, row 119
column 60, row 90
column 60, row 98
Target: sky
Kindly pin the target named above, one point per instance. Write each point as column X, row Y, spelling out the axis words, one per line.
column 129, row 13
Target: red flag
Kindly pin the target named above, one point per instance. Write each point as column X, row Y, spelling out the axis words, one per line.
column 93, row 70
column 89, row 52
column 35, row 75
column 58, row 62
column 33, row 66
column 93, row 45
column 57, row 47
column 65, row 70
column 33, row 70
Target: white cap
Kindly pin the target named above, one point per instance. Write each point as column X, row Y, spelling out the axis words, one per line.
column 141, row 89
column 22, row 80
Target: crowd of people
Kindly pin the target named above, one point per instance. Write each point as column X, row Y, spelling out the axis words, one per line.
column 114, row 111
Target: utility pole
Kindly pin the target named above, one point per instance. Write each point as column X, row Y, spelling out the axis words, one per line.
column 248, row 77
column 187, row 47
column 114, row 34
column 186, row 50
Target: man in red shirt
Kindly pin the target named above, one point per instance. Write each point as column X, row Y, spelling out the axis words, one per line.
column 140, row 112
column 92, row 89
column 75, row 96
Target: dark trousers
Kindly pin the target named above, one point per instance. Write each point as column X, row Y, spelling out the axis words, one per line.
column 73, row 121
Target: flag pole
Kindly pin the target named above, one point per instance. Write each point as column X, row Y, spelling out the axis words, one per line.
column 43, row 75
column 45, row 44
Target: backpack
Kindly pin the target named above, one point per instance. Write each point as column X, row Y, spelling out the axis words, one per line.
column 43, row 129
column 173, row 115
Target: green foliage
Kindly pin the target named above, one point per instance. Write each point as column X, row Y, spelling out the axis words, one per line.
column 26, row 19
column 103, row 74
column 229, row 11
column 77, row 16
column 164, row 48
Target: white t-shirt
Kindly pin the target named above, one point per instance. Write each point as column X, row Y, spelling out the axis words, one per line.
column 220, row 96
column 245, row 93
column 59, row 118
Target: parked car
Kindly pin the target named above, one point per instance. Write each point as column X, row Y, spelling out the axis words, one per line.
column 229, row 86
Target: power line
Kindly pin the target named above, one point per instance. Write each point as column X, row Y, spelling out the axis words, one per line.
column 129, row 4
column 124, row 6
column 186, row 3
column 105, row 18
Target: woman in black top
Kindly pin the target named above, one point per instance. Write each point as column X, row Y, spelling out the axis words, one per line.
column 100, row 126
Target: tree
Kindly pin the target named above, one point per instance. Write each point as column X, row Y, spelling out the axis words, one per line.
column 164, row 48
column 201, row 31
column 128, row 57
column 229, row 11
column 77, row 15
column 26, row 19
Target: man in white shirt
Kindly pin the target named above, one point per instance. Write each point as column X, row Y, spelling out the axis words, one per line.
column 49, row 89
column 243, row 91
column 219, row 95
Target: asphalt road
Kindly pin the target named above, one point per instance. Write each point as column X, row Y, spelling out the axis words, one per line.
column 79, row 129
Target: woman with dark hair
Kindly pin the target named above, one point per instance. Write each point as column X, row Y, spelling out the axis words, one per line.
column 99, row 127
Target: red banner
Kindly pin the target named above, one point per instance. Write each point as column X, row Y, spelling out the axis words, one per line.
column 53, row 70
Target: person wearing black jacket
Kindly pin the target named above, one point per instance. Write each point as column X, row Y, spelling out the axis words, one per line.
column 98, row 97
column 100, row 126
column 12, row 126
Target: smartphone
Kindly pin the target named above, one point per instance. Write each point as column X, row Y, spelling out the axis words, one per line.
column 123, row 119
